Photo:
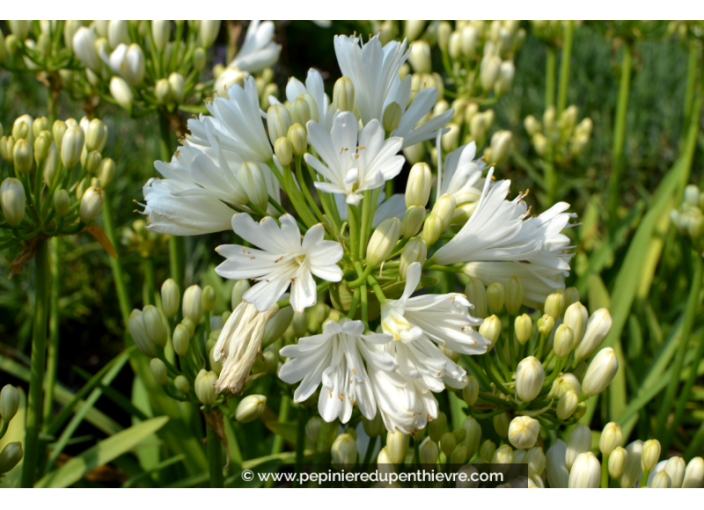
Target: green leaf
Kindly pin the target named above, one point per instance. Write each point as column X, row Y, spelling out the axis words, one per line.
column 99, row 455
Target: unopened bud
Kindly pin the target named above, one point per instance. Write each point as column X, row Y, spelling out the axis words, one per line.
column 523, row 326
column 42, row 143
column 159, row 371
column 428, row 452
column 240, row 287
column 51, row 165
column 343, row 95
column 181, row 384
column 161, row 33
column 278, row 121
column 299, row 139
column 491, row 329
column 500, row 142
column 313, row 429
column 514, row 294
column 91, row 204
column 523, row 432
column 611, row 438
column 10, row 456
column 178, row 87
column 122, row 93
column 585, row 472
column 193, row 303
column 154, row 326
column 694, row 474
column 505, row 80
column 9, row 402
column 283, row 150
column 555, row 304
column 13, row 201
column 564, row 340
column 392, row 117
column 567, row 405
column 617, row 462
column 199, row 59
column 432, row 229
column 580, row 441
column 418, row 186
column 414, row 251
column 529, row 378
column 383, row 241
column 412, row 220
column 437, row 427
column 344, row 451
column 597, row 328
column 97, row 136
column 545, row 324
column 277, row 325
column 205, row 387
column 419, row 57
column 181, row 339
column 250, row 408
column 93, row 161
column 252, row 180
column 496, row 295
column 106, row 172
column 476, row 295
column 501, row 423
column 600, row 373
column 71, row 146
column 23, row 156
column 651, row 454
column 532, row 125
column 162, row 91
column 487, row 450
column 373, row 427
column 489, row 71
column 444, row 209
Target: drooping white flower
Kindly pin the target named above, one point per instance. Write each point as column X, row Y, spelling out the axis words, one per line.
column 238, row 345
column 373, row 70
column 259, row 49
column 353, row 165
column 283, row 260
column 336, row 358
column 394, row 207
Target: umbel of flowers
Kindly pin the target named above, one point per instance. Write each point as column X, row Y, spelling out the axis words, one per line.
column 343, row 271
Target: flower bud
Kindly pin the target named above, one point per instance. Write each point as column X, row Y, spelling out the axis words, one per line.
column 529, row 378
column 567, row 405
column 277, row 325
column 12, row 200
column 278, row 121
column 205, row 387
column 9, row 402
column 504, row 454
column 199, row 59
column 159, row 371
column 208, row 299
column 162, row 91
column 451, row 139
column 240, row 287
column 161, row 33
column 428, row 452
column 42, row 144
column 545, row 324
column 283, row 150
column 250, row 408
column 651, row 454
column 473, row 434
column 632, row 468
column 343, row 95
column 491, row 329
column 514, row 294
column 414, row 153
column 523, row 432
column 7, row 146
column 505, row 80
column 397, row 446
column 448, row 442
column 300, row 111
column 299, row 139
column 432, row 229
column 181, row 339
column 58, row 130
column 392, row 117
column 598, row 327
column 106, row 172
column 444, row 209
column 496, row 295
column 71, row 146
column 675, row 468
column 181, row 384
column 383, row 241
column 600, row 373
column 501, row 424
column 694, row 474
column 535, row 458
column 487, row 450
column 489, row 71
column 580, row 441
column 661, row 481
column 92, row 162
column 564, row 383
column 91, row 204
column 523, row 326
column 208, row 32
column 412, row 220
column 170, row 298
column 51, row 165
column 476, row 295
column 252, row 180
column 576, row 317
column 557, row 472
column 585, row 472
column 154, row 326
column 418, row 186
column 414, row 251
column 436, row 427
column 532, row 125
column 193, row 303
column 23, row 156
column 373, row 427
column 555, row 304
column 122, row 93
column 617, row 462
column 10, row 456
column 500, row 142
column 22, row 129
column 470, row 393
column 97, row 136
column 564, row 339
column 419, row 57
column 611, row 438
column 139, row 334
column 177, row 85
column 313, row 429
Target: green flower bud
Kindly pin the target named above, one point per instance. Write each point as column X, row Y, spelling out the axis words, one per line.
column 470, row 393
column 9, row 402
column 675, row 469
column 436, row 427
column 299, row 139
column 97, row 136
column 199, row 59
column 300, row 325
column 170, row 298
column 451, row 139
column 529, row 378
column 501, row 423
column 694, row 474
column 651, row 454
column 139, row 334
column 576, row 317
column 22, row 128
column 580, row 441
column 12, row 200
column 505, row 80
column 476, row 295
column 284, row 151
column 71, row 146
column 545, row 324
column 344, row 451
column 250, row 408
column 555, row 304
column 597, row 328
column 448, row 443
column 383, row 241
column 571, row 296
column 122, row 93
column 193, row 304
column 182, row 385
column 564, row 339
column 252, row 180
column 343, row 95
column 473, row 435
column 504, row 455
column 514, row 295
column 278, row 121
column 487, row 450
column 277, row 325
column 41, row 146
column 159, row 371
column 300, row 112
column 428, row 452
column 611, row 438
column 10, row 456
column 58, row 131
column 459, row 455
column 51, row 165
column 240, row 287
column 496, row 295
column 91, row 204
column 313, row 429
column 617, row 462
column 414, row 154
column 7, row 146
column 535, row 458
column 444, row 209
column 154, row 325
column 418, row 185
column 23, row 156
column 215, row 366
column 444, row 33
column 491, row 329
column 412, row 220
column 392, row 117
column 93, row 161
column 414, row 251
column 162, row 91
column 177, row 84
column 600, row 373
column 208, row 31
column 523, row 432
column 373, row 427
column 161, row 33
column 523, row 326
column 397, row 446
column 205, row 387
column 181, row 339
column 432, row 229
column 567, row 405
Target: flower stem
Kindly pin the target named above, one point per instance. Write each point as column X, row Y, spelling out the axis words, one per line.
column 619, row 136
column 644, row 479
column 565, row 67
column 353, row 219
column 300, row 440
column 53, row 353
column 550, row 77
column 214, row 459
column 117, row 273
column 306, row 192
column 34, row 403
column 366, row 224
column 605, row 472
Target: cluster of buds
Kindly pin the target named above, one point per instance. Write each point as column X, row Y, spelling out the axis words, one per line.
column 688, row 220
column 144, row 65
column 561, row 139
column 12, row 453
column 145, row 242
column 56, row 176
column 548, row 31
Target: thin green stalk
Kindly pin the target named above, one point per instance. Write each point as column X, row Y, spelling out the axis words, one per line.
column 619, row 136
column 283, row 418
column 693, row 304
column 605, row 472
column 366, row 223
column 565, row 67
column 550, row 77
column 644, row 479
column 691, row 81
column 53, row 353
column 117, row 273
column 511, row 342
column 34, row 402
column 353, row 219
column 149, row 284
column 300, row 441
column 306, row 192
column 217, row 481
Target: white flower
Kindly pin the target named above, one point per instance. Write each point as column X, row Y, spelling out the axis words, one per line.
column 336, row 358
column 283, row 260
column 374, row 74
column 462, row 174
column 313, row 86
column 394, row 207
column 239, row 343
column 353, row 166
column 259, row 49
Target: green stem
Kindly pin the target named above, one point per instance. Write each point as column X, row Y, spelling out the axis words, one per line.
column 149, row 285
column 691, row 81
column 34, row 402
column 366, row 224
column 565, row 67
column 605, row 472
column 53, row 354
column 353, row 221
column 693, row 305
column 550, row 77
column 644, row 479
column 307, row 194
column 619, row 137
column 117, row 272
column 217, row 480
column 283, row 418
column 300, row 441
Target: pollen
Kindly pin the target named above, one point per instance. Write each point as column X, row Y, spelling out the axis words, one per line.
column 354, row 371
column 279, row 259
column 341, row 396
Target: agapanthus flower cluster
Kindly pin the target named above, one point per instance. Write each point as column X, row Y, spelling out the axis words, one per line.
column 344, row 274
column 559, row 139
